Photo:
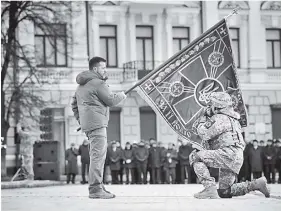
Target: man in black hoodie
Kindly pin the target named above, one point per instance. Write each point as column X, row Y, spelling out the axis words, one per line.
column 141, row 156
column 155, row 160
column 278, row 160
column 184, row 151
column 90, row 106
column 128, row 158
column 269, row 161
column 83, row 151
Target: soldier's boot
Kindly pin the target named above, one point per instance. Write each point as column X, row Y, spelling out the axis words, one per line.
column 260, row 184
column 208, row 193
column 240, row 189
column 101, row 194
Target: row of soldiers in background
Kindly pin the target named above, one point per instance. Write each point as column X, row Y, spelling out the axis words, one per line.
column 166, row 166
column 262, row 158
column 138, row 161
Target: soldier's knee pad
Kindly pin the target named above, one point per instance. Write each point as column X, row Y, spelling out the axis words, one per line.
column 225, row 193
column 194, row 157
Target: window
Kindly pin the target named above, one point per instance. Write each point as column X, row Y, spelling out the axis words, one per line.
column 108, row 44
column 51, row 45
column 273, row 48
column 276, row 120
column 148, row 124
column 144, row 36
column 234, row 36
column 113, row 129
column 180, row 38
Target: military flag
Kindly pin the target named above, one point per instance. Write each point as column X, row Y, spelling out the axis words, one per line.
column 179, row 89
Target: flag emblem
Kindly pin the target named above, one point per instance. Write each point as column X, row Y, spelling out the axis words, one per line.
column 216, row 59
column 204, row 88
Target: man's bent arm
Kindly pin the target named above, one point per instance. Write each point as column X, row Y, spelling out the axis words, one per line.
column 108, row 97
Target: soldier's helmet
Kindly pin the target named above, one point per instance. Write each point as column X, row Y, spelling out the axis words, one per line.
column 220, row 100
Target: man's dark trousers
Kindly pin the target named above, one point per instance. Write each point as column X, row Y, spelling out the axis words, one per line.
column 84, row 170
column 185, row 173
column 155, row 174
column 142, row 168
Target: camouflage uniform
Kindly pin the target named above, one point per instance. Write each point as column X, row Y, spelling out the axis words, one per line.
column 26, row 151
column 222, row 138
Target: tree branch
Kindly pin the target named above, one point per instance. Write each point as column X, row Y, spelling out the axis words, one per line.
column 20, row 95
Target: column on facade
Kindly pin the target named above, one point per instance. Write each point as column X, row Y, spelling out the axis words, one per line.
column 79, row 33
column 158, row 39
column 132, row 36
column 210, row 14
column 243, row 42
column 96, row 34
column 194, row 24
column 121, row 42
column 169, row 34
column 130, row 119
column 257, row 44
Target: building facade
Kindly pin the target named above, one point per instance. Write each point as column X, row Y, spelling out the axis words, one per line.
column 135, row 37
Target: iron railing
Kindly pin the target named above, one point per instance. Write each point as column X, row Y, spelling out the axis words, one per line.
column 140, row 67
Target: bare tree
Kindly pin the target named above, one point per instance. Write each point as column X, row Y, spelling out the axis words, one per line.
column 20, row 77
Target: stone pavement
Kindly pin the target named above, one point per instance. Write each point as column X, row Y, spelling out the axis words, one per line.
column 30, row 184
column 132, row 198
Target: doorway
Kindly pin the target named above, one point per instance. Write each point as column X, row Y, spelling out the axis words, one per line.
column 148, row 123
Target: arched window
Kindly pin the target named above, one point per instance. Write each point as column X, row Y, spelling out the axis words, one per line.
column 233, row 4
column 271, row 5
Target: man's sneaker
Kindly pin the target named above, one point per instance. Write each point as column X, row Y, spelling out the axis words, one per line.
column 260, row 184
column 101, row 195
column 208, row 193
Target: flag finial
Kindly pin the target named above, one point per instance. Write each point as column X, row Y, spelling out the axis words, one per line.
column 234, row 12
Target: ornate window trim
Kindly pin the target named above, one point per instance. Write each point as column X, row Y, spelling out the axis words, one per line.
column 271, row 5
column 183, row 16
column 229, row 5
column 271, row 14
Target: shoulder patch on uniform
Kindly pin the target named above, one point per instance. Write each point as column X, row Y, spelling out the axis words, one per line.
column 209, row 123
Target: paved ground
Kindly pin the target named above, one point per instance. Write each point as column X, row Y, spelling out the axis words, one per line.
column 30, row 184
column 132, row 198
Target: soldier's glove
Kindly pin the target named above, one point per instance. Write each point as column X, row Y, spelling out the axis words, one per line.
column 200, row 120
column 194, row 157
column 203, row 119
column 208, row 112
column 205, row 144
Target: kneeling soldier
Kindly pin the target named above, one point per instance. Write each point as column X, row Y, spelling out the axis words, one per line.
column 220, row 131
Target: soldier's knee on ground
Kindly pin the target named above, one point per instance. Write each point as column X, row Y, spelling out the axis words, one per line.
column 194, row 157
column 225, row 193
